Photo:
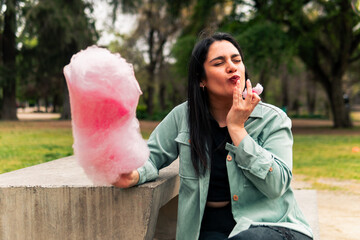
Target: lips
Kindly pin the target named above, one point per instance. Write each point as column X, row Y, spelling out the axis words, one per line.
column 234, row 78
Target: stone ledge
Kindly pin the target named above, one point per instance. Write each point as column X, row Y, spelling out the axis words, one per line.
column 56, row 200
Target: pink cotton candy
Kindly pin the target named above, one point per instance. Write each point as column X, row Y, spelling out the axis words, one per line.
column 104, row 94
column 258, row 89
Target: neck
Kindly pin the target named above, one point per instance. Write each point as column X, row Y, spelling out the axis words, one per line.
column 219, row 110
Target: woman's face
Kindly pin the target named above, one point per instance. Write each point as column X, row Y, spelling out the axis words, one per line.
column 223, row 67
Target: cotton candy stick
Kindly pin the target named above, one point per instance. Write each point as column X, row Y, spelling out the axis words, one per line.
column 104, row 94
column 258, row 89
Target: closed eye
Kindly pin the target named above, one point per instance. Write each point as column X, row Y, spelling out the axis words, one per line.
column 218, row 63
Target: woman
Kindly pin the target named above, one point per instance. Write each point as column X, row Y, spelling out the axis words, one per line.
column 235, row 154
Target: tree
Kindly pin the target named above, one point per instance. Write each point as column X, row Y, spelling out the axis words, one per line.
column 327, row 38
column 8, row 71
column 159, row 24
column 61, row 28
column 323, row 34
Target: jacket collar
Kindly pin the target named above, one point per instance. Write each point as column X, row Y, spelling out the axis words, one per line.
column 257, row 112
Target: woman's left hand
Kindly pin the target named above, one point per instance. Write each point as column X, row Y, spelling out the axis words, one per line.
column 240, row 112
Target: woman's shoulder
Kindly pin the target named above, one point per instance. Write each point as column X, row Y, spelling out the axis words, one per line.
column 181, row 107
column 180, row 110
column 270, row 117
column 178, row 115
column 268, row 110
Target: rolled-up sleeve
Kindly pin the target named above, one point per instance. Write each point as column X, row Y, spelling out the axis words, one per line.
column 267, row 161
column 162, row 146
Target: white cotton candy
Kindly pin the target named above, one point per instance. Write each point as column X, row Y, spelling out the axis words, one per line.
column 104, row 94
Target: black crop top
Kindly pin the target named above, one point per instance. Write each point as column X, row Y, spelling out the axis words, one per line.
column 219, row 188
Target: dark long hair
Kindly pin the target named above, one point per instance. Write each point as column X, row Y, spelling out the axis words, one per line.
column 198, row 101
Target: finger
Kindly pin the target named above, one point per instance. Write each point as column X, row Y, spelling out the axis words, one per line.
column 126, row 175
column 240, row 97
column 255, row 99
column 236, row 94
column 249, row 89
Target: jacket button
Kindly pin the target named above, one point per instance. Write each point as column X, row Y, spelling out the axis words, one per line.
column 235, row 197
column 229, row 158
column 271, row 169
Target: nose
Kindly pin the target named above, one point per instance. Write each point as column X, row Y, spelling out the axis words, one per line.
column 231, row 67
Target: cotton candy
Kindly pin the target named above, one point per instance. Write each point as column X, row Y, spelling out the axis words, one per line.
column 104, row 94
column 258, row 89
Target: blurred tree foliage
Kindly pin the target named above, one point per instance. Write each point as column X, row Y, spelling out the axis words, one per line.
column 327, row 36
column 324, row 35
column 54, row 31
column 159, row 24
column 291, row 47
column 48, row 34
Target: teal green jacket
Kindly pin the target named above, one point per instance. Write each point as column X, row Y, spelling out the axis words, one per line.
column 259, row 171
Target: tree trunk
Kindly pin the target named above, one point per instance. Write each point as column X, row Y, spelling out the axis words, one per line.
column 149, row 100
column 46, row 104
column 38, row 105
column 263, row 80
column 311, row 89
column 55, row 103
column 66, row 112
column 163, row 77
column 162, row 95
column 8, row 108
column 284, row 87
column 341, row 115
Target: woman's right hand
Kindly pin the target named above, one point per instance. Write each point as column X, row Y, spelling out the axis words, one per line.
column 127, row 180
column 240, row 112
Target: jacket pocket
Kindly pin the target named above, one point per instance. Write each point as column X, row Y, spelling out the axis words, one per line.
column 186, row 169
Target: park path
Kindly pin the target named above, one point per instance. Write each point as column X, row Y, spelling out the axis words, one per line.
column 339, row 210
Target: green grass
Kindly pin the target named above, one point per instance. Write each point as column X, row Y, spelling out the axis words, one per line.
column 329, row 156
column 27, row 143
column 24, row 144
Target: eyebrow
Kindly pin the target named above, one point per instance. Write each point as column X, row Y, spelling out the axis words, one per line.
column 222, row 57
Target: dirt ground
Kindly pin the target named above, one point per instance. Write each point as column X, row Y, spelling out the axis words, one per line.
column 339, row 215
column 339, row 210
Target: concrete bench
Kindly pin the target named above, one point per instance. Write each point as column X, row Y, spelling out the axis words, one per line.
column 56, row 200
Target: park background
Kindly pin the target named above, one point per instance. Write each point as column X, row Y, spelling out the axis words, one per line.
column 306, row 54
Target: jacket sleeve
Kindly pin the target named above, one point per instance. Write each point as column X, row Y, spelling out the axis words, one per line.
column 163, row 148
column 267, row 162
